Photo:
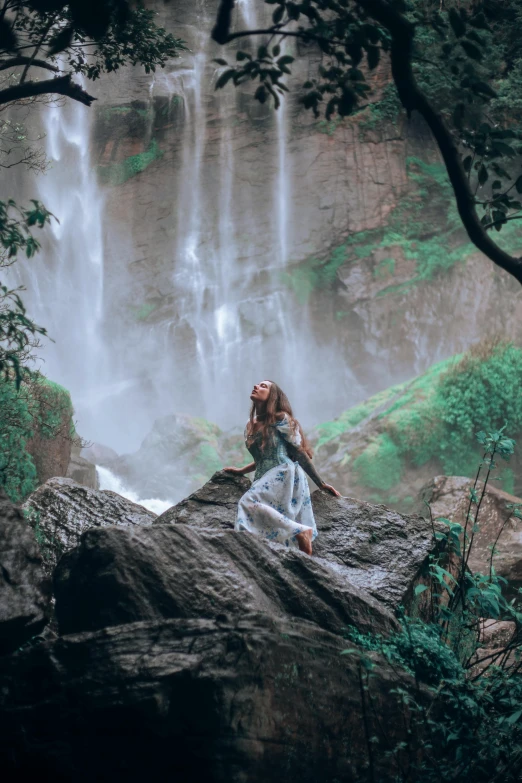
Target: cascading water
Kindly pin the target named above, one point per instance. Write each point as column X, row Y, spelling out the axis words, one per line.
column 231, row 322
column 65, row 281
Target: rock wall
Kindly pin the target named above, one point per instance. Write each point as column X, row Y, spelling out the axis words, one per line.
column 369, row 276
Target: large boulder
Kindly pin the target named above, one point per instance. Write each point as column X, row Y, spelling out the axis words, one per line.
column 203, row 654
column 61, row 510
column 253, row 698
column 178, row 455
column 373, row 547
column 449, row 498
column 214, row 505
column 120, row 575
column 24, row 590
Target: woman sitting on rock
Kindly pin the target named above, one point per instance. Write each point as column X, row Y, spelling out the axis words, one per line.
column 278, row 504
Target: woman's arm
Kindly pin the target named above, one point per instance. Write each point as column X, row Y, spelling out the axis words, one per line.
column 307, row 465
column 241, row 471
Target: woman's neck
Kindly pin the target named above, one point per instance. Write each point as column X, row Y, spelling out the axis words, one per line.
column 260, row 410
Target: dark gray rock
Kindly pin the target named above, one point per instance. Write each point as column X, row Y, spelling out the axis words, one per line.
column 373, row 547
column 252, row 699
column 120, row 575
column 24, row 590
column 376, row 548
column 61, row 510
column 213, row 505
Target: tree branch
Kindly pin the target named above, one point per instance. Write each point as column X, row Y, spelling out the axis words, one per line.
column 413, row 99
column 21, row 60
column 62, row 85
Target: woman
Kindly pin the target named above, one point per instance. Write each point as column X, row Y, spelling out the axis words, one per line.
column 278, row 504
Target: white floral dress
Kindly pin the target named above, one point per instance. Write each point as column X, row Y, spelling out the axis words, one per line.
column 277, row 505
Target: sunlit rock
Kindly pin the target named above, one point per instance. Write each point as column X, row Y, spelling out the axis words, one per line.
column 61, row 510
column 373, row 547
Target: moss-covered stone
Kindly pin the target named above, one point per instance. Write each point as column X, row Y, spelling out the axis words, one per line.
column 409, row 234
column 389, row 446
column 36, row 431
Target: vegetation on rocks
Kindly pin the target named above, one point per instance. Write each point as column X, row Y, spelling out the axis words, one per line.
column 39, row 408
column 387, row 447
column 467, row 697
column 424, row 228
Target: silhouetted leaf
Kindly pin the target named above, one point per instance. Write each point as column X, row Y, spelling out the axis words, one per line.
column 471, row 50
column 224, row 78
column 482, row 174
column 61, row 40
column 278, row 14
column 457, row 23
column 373, row 54
column 260, row 94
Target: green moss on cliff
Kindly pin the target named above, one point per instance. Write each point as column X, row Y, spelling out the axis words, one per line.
column 38, row 407
column 428, row 426
column 424, row 228
column 118, row 173
column 385, row 111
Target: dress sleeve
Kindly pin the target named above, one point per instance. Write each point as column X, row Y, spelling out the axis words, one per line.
column 293, row 437
column 286, row 428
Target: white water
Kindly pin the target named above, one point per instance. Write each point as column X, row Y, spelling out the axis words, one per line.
column 226, row 330
column 108, row 480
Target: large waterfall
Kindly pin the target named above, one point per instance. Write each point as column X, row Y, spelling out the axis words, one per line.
column 229, row 320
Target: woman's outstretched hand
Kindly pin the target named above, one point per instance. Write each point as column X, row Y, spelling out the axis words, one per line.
column 235, row 471
column 330, row 489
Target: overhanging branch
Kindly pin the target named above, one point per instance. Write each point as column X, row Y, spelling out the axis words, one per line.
column 62, row 85
column 413, row 99
column 21, row 60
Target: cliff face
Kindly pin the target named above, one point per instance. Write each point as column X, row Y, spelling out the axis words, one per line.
column 239, row 240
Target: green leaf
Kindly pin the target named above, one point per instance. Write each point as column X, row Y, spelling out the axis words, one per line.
column 518, row 185
column 514, row 717
column 420, row 589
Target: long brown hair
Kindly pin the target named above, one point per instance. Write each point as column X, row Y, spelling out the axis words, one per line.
column 276, row 403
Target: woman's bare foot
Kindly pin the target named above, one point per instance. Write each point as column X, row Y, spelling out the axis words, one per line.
column 304, row 541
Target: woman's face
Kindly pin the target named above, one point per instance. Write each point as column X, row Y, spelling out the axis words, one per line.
column 261, row 391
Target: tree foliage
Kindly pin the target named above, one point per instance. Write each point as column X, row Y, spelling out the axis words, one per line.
column 18, row 333
column 470, row 46
column 85, row 37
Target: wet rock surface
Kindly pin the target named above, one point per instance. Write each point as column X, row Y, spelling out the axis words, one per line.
column 373, row 547
column 24, row 590
column 191, row 652
column 119, row 576
column 213, row 505
column 61, row 510
column 255, row 699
